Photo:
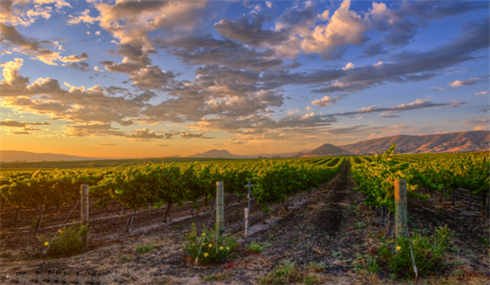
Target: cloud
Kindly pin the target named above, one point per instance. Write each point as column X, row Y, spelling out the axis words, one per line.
column 248, row 30
column 144, row 135
column 482, row 93
column 106, row 144
column 161, row 145
column 415, row 105
column 189, row 135
column 12, row 39
column 16, row 124
column 437, row 88
column 344, row 27
column 78, row 104
column 96, row 68
column 152, row 77
column 469, row 81
column 17, row 12
column 324, row 102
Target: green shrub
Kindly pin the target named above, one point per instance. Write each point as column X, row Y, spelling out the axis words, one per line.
column 213, row 248
column 257, row 246
column 428, row 253
column 289, row 272
column 141, row 248
column 67, row 242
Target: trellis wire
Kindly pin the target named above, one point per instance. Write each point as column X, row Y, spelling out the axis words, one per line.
column 49, row 245
column 200, row 247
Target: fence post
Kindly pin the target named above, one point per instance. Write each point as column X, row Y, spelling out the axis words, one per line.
column 220, row 211
column 85, row 213
column 401, row 208
column 246, row 222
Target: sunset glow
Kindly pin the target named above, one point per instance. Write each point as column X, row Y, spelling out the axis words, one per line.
column 124, row 79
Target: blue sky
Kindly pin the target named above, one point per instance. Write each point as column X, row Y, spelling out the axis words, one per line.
column 163, row 78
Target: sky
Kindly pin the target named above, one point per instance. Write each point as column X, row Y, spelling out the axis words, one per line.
column 162, row 78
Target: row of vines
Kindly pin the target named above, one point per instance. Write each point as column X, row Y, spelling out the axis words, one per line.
column 167, row 185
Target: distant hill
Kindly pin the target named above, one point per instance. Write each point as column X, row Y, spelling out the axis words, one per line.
column 215, row 153
column 223, row 153
column 452, row 142
column 20, row 156
column 324, row 150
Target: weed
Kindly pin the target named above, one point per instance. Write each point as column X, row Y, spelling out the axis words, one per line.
column 218, row 276
column 428, row 253
column 359, row 225
column 213, row 248
column 125, row 258
column 11, row 229
column 311, row 279
column 337, row 254
column 308, row 236
column 455, row 248
column 68, row 241
column 177, row 227
column 311, row 228
column 255, row 247
column 141, row 248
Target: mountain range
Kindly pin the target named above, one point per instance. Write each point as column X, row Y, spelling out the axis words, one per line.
column 452, row 142
column 27, row 156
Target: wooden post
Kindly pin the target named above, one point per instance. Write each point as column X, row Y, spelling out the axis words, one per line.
column 85, row 213
column 401, row 208
column 246, row 223
column 220, row 211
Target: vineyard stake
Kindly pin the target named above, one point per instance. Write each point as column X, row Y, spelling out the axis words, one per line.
column 246, row 222
column 85, row 213
column 249, row 185
column 401, row 208
column 220, row 211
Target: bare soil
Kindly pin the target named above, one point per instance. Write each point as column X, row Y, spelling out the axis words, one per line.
column 329, row 229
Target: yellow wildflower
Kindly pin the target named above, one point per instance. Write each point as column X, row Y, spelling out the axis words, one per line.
column 59, row 231
column 203, row 234
column 210, row 245
column 203, row 243
column 227, row 248
column 206, row 254
column 46, row 243
column 220, row 248
column 398, row 247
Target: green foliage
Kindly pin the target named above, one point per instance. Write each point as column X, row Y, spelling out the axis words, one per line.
column 359, row 225
column 67, row 242
column 428, row 253
column 142, row 248
column 257, row 246
column 337, row 254
column 218, row 276
column 213, row 248
column 288, row 272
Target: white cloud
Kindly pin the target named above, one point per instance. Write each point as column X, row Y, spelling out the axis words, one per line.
column 348, row 66
column 268, row 4
column 96, row 68
column 482, row 93
column 459, row 83
column 324, row 102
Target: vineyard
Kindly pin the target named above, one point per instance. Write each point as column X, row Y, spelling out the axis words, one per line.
column 335, row 213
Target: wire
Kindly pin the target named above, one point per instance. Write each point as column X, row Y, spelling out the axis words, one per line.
column 199, row 253
column 49, row 245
